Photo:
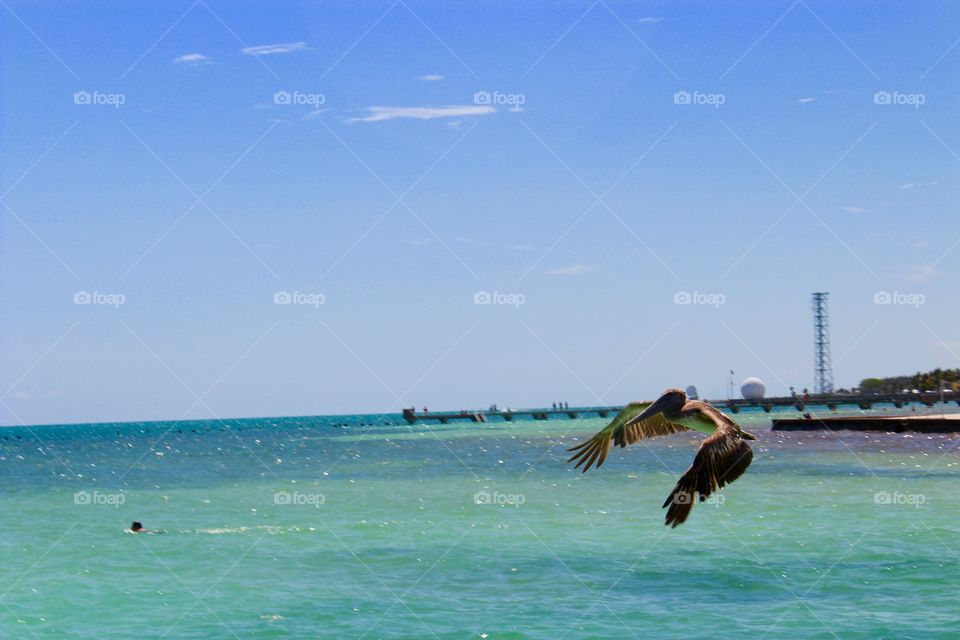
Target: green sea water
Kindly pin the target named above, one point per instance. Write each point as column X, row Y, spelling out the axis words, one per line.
column 333, row 528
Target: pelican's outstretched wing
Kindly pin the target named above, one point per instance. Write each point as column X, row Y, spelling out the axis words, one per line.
column 722, row 458
column 595, row 449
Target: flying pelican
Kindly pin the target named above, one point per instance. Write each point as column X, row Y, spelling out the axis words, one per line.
column 722, row 457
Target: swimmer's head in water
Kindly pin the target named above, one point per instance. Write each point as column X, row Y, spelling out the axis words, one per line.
column 136, row 526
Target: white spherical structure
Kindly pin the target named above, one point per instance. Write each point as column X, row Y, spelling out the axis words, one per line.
column 753, row 389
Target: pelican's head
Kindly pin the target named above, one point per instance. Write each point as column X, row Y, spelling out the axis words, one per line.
column 669, row 404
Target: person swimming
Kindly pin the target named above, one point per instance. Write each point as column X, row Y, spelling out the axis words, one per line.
column 137, row 527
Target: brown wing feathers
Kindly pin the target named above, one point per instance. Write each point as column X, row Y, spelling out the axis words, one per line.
column 593, row 449
column 619, row 432
column 722, row 458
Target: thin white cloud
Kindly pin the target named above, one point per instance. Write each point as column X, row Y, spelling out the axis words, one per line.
column 380, row 114
column 191, row 58
column 431, row 77
column 315, row 113
column 522, row 247
column 420, row 242
column 272, row 49
column 650, row 20
column 576, row 270
column 911, row 185
column 854, row 209
column 806, row 100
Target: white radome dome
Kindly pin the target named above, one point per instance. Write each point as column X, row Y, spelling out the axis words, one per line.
column 753, row 389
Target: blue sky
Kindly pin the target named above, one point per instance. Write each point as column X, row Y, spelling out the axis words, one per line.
column 218, row 155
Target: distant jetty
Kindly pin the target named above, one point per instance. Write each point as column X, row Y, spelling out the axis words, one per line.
column 507, row 415
column 949, row 423
column 831, row 402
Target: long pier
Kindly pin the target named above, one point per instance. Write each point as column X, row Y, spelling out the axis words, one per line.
column 949, row 423
column 508, row 415
column 830, row 402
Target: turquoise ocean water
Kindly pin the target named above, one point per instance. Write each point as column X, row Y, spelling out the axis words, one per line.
column 333, row 528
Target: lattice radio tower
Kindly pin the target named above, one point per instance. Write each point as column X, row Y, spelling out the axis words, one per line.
column 823, row 365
